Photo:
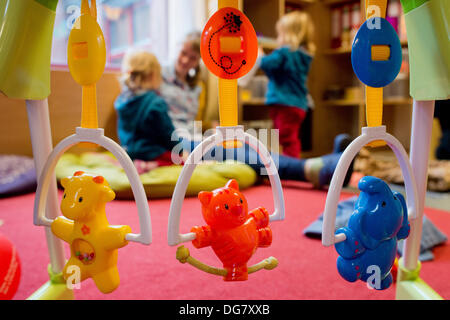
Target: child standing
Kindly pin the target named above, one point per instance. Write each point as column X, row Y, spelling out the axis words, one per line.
column 287, row 69
column 144, row 126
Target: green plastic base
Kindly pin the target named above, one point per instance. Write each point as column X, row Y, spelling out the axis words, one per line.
column 411, row 287
column 54, row 289
column 415, row 290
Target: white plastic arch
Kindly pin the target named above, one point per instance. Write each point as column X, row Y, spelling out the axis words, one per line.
column 369, row 134
column 222, row 134
column 95, row 136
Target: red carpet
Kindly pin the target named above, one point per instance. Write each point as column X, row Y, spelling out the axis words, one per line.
column 306, row 269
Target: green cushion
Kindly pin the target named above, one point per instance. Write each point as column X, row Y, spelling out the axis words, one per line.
column 159, row 182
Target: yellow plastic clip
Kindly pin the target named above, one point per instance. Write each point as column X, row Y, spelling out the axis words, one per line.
column 86, row 57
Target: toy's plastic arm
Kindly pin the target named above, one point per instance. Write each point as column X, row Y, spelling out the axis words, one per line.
column 115, row 237
column 351, row 247
column 183, row 255
column 202, row 236
column 62, row 228
column 261, row 216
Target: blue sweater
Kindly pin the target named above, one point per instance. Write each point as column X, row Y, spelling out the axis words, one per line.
column 144, row 127
column 287, row 72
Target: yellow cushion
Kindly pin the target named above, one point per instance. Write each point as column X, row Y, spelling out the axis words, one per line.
column 159, row 182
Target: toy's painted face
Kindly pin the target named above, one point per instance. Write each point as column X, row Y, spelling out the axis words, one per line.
column 82, row 193
column 387, row 213
column 229, row 46
column 224, row 207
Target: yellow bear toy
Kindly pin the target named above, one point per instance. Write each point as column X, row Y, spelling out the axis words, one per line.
column 93, row 242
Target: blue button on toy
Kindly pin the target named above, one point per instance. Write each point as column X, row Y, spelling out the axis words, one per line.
column 376, row 31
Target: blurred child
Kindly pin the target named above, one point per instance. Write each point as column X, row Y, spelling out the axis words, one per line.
column 287, row 69
column 144, row 127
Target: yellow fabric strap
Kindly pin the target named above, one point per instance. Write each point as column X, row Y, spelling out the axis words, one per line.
column 89, row 112
column 94, row 9
column 381, row 4
column 228, row 102
column 85, row 7
column 89, row 107
column 89, row 118
column 374, row 106
column 374, row 96
column 228, row 3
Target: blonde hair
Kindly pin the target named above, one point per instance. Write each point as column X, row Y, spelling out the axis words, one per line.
column 141, row 70
column 297, row 30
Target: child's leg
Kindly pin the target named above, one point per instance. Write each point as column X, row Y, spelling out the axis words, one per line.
column 164, row 159
column 288, row 120
column 273, row 113
column 318, row 171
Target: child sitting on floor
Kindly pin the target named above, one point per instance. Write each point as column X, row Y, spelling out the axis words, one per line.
column 147, row 133
column 287, row 69
column 144, row 127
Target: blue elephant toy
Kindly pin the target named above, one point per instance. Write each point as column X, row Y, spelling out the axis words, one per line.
column 379, row 220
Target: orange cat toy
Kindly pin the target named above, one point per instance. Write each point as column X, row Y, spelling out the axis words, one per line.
column 232, row 231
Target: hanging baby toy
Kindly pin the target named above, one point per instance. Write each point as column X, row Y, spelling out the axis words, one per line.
column 229, row 49
column 367, row 246
column 93, row 242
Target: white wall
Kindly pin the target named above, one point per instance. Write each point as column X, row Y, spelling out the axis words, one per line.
column 184, row 16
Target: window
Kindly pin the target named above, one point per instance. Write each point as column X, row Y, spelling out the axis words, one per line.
column 141, row 23
column 158, row 26
column 125, row 23
column 118, row 31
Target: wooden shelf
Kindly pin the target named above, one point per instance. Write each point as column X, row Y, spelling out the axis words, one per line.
column 332, row 2
column 343, row 102
column 254, row 102
column 397, row 101
column 339, row 51
column 354, row 103
column 305, row 2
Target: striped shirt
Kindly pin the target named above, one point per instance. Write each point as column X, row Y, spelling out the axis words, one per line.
column 183, row 101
